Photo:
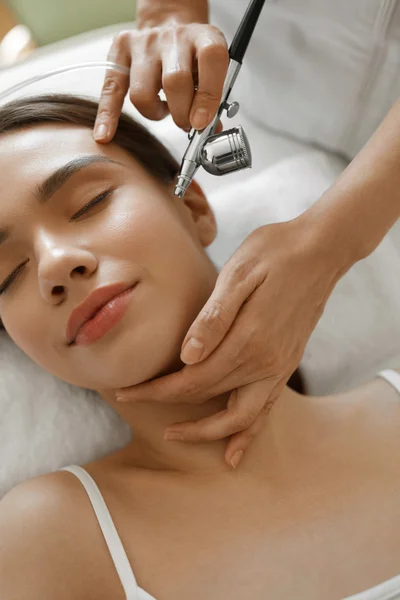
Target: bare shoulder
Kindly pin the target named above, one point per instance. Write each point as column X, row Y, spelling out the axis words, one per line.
column 375, row 421
column 38, row 533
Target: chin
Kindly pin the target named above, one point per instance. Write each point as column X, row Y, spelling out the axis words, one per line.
column 142, row 348
column 126, row 366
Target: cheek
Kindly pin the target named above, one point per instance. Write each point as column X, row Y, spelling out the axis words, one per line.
column 140, row 237
column 181, row 279
column 35, row 342
column 150, row 234
column 136, row 228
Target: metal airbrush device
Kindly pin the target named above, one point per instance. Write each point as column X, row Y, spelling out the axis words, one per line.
column 229, row 150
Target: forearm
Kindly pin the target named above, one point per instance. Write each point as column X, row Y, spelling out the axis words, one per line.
column 151, row 13
column 354, row 215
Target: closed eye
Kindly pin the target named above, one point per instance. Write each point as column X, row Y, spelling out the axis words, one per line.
column 97, row 200
column 92, row 202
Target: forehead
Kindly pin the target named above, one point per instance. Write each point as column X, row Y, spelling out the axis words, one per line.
column 27, row 156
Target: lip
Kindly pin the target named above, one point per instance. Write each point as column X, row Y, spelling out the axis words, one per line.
column 91, row 306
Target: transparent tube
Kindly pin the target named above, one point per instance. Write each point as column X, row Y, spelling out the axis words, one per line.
column 88, row 65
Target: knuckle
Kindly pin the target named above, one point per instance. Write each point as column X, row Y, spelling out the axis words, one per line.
column 121, row 38
column 240, row 270
column 191, row 388
column 207, row 96
column 170, row 30
column 167, row 29
column 215, row 50
column 141, row 96
column 220, row 34
column 244, row 421
column 213, row 316
column 174, row 78
column 104, row 115
column 220, row 52
column 111, row 86
column 180, row 29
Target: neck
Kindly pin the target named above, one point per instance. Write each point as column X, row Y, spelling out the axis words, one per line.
column 149, row 450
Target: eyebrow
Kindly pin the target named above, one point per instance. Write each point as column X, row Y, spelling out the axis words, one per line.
column 47, row 188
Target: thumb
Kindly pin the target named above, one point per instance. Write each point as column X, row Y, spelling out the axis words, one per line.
column 217, row 315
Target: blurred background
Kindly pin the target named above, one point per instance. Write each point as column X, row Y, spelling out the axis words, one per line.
column 29, row 24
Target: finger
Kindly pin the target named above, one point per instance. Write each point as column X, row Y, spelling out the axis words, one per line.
column 190, row 384
column 234, row 285
column 115, row 87
column 245, row 404
column 218, row 128
column 177, row 82
column 241, row 441
column 212, row 377
column 213, row 60
column 175, row 387
column 145, row 83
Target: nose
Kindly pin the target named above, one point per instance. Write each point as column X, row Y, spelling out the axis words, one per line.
column 60, row 266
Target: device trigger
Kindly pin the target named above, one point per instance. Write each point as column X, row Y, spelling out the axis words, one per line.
column 232, row 108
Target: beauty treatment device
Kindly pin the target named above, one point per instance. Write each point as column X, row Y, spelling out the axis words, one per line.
column 228, row 151
column 218, row 154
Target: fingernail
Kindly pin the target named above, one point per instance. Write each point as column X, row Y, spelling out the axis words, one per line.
column 236, row 458
column 100, row 131
column 125, row 399
column 173, row 435
column 192, row 351
column 200, row 118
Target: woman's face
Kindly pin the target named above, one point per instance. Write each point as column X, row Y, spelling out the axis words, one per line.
column 139, row 232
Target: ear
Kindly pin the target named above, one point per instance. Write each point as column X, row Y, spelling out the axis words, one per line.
column 201, row 213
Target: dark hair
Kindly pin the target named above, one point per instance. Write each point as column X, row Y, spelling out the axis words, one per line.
column 66, row 108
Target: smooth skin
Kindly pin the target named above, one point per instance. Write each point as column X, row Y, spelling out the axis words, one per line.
column 316, row 497
column 316, row 494
column 293, row 265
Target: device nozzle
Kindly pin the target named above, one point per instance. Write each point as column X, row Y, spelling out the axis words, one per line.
column 185, row 177
column 179, row 191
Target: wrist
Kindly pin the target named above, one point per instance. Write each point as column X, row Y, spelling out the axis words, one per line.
column 325, row 236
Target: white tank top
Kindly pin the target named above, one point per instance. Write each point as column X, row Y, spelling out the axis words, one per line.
column 324, row 71
column 388, row 590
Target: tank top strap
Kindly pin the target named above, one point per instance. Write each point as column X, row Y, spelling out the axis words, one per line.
column 391, row 377
column 109, row 530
